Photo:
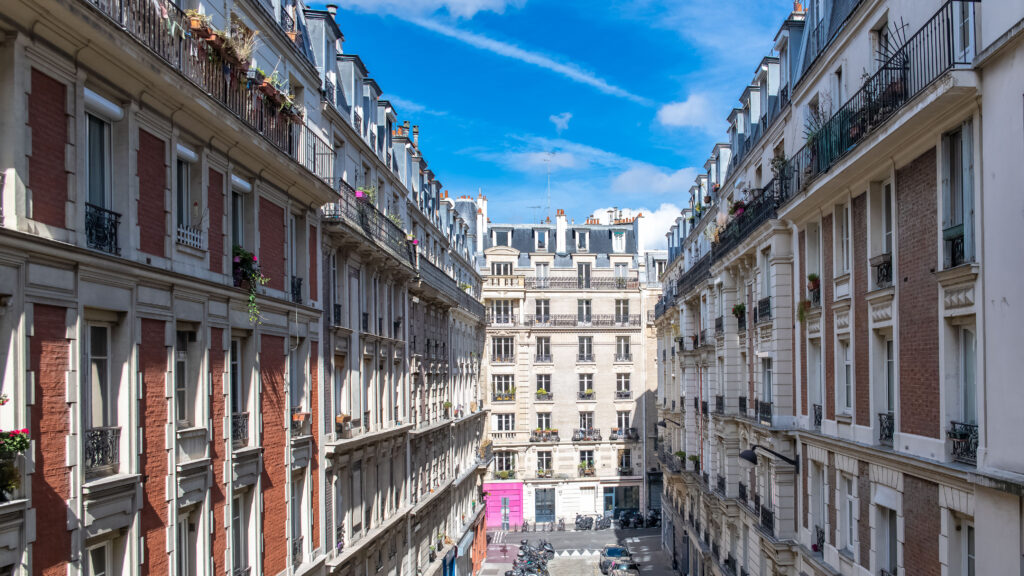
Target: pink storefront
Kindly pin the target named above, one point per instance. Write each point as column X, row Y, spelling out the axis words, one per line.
column 504, row 504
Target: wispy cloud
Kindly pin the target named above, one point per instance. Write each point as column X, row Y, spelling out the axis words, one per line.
column 454, row 8
column 653, row 226
column 569, row 70
column 410, row 107
column 561, row 121
column 696, row 111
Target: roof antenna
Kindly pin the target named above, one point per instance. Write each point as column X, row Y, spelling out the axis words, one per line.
column 547, row 162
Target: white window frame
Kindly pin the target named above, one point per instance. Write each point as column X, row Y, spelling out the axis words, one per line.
column 967, row 366
column 586, row 420
column 107, row 550
column 239, row 533
column 843, row 238
column 585, row 381
column 505, row 422
column 541, row 240
column 582, row 241
column 849, row 520
column 106, row 161
column 618, row 241
column 107, row 410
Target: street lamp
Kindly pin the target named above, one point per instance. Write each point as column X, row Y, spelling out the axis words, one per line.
column 663, row 425
column 751, row 456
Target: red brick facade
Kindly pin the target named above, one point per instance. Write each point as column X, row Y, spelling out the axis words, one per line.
column 47, row 175
column 919, row 296
column 215, row 193
column 49, row 357
column 864, row 522
column 275, row 470
column 826, row 317
column 312, row 263
column 802, row 335
column 272, row 243
column 153, row 460
column 217, row 455
column 921, row 515
column 152, row 166
column 861, row 338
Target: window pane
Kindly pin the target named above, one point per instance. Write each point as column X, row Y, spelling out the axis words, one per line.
column 98, row 176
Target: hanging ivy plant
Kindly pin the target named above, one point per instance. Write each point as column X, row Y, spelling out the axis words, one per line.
column 247, row 274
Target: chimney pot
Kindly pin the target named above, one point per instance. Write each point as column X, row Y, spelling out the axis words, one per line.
column 332, row 9
column 416, row 136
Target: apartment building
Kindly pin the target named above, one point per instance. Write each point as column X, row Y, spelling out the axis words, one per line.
column 569, row 349
column 835, row 309
column 241, row 318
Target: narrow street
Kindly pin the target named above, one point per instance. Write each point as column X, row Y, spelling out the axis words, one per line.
column 577, row 553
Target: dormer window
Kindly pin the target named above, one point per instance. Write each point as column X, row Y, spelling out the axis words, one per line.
column 541, row 238
column 582, row 241
column 502, row 237
column 619, row 241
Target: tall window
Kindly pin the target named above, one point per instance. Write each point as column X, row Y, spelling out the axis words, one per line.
column 503, row 383
column 846, row 375
column 582, row 240
column 544, row 420
column 587, row 457
column 967, row 545
column 505, row 422
column 544, row 461
column 887, row 218
column 583, row 314
column 843, row 238
column 766, row 379
column 888, row 542
column 766, row 282
column 237, row 219
column 98, row 169
column 543, row 311
column 101, row 397
column 583, row 275
column 543, row 275
column 586, row 420
column 501, row 311
column 544, row 382
column 501, row 268
column 239, row 534
column 101, row 560
column 586, row 348
column 968, row 391
column 849, row 521
column 181, row 388
column 621, row 311
column 542, row 240
column 890, row 376
column 619, row 241
column 186, row 546
column 502, row 348
column 623, row 419
column 184, row 193
column 622, row 348
column 505, row 460
column 958, row 196
column 625, row 458
column 543, row 348
column 622, row 382
column 586, row 383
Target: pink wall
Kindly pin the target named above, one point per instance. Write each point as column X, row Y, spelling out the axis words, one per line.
column 495, row 492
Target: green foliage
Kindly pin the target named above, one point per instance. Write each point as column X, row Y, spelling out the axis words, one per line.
column 247, row 274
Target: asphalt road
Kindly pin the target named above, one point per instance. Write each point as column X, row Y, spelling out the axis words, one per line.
column 577, row 553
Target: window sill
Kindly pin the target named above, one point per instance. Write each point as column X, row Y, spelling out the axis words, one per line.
column 190, row 250
column 844, row 418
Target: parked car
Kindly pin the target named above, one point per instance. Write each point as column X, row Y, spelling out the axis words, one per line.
column 624, row 568
column 611, row 554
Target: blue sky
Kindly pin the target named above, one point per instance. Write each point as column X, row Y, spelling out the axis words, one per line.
column 628, row 96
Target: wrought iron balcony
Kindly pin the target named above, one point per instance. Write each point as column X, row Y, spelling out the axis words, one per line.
column 503, row 358
column 764, row 413
column 743, row 405
column 817, row 416
column 587, row 471
column 102, row 450
column 239, row 430
column 338, row 315
column 743, row 492
column 768, row 519
column 965, row 442
column 586, row 435
column 631, row 433
column 503, row 396
column 627, row 357
column 296, row 289
column 623, row 394
column 719, row 326
column 720, row 484
column 886, row 427
column 297, row 550
column 330, row 93
column 504, row 474
column 705, row 478
column 883, row 270
column 501, row 320
column 586, row 395
column 542, row 358
column 287, row 22
column 575, row 282
column 953, row 246
column 704, row 407
column 819, row 539
column 101, row 227
column 719, row 404
column 763, row 312
column 741, row 322
column 548, row 435
column 625, row 471
column 584, row 357
column 815, row 297
column 544, row 396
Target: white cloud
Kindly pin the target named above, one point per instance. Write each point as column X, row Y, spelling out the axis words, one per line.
column 561, row 121
column 650, row 179
column 653, row 225
column 410, row 107
column 696, row 111
column 454, row 8
column 568, row 70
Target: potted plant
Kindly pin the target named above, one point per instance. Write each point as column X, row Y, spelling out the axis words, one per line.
column 802, row 308
column 199, row 23
column 12, row 443
column 247, row 274
column 541, row 392
column 433, row 554
column 813, row 282
column 680, row 454
column 589, row 392
column 738, row 208
column 738, row 310
column 778, row 165
column 695, row 459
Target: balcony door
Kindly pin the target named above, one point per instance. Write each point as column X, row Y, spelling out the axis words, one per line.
column 98, row 163
column 583, row 275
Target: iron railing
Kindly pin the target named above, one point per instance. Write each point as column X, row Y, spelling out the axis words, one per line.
column 719, row 326
column 907, row 72
column 545, row 396
column 883, row 270
column 239, row 430
column 719, row 404
column 819, row 539
column 586, row 434
column 815, row 297
column 101, row 227
column 953, row 246
column 627, row 357
column 623, row 394
column 503, row 396
column 743, row 405
column 763, row 312
column 768, row 519
column 886, row 427
column 542, row 358
column 296, row 289
column 699, row 272
column 287, row 22
column 584, row 395
column 576, row 282
column 547, row 435
column 365, row 217
column 297, row 551
column 330, row 93
column 756, row 212
column 585, row 357
column 817, row 416
column 338, row 316
column 102, row 450
column 591, row 320
column 720, row 484
column 742, row 492
column 764, row 413
column 965, row 442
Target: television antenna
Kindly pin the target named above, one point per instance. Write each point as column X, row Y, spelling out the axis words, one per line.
column 547, row 162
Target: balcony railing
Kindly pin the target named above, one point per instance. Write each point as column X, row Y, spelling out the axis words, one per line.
column 625, row 471
column 743, row 405
column 330, row 94
column 503, row 358
column 296, row 289
column 743, row 492
column 631, row 433
column 506, row 396
column 297, row 550
column 720, row 484
column 815, row 296
column 699, row 272
column 572, row 320
column 763, row 312
column 756, row 212
column 586, row 395
column 764, row 413
column 365, row 217
column 767, row 519
column 501, row 320
column 626, row 357
column 575, row 282
column 817, row 416
column 965, row 442
column 819, row 539
column 545, row 396
column 953, row 246
column 101, row 227
column 549, row 435
column 886, row 427
column 719, row 326
column 720, row 404
column 338, row 315
column 882, row 265
column 704, row 407
column 287, row 22
column 239, row 430
column 542, row 359
column 190, row 236
column 587, row 471
column 623, row 394
column 102, row 450
column 909, row 70
column 585, row 357
column 586, row 435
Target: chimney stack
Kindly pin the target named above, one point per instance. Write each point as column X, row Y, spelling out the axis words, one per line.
column 332, row 9
column 416, row 136
column 561, row 226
